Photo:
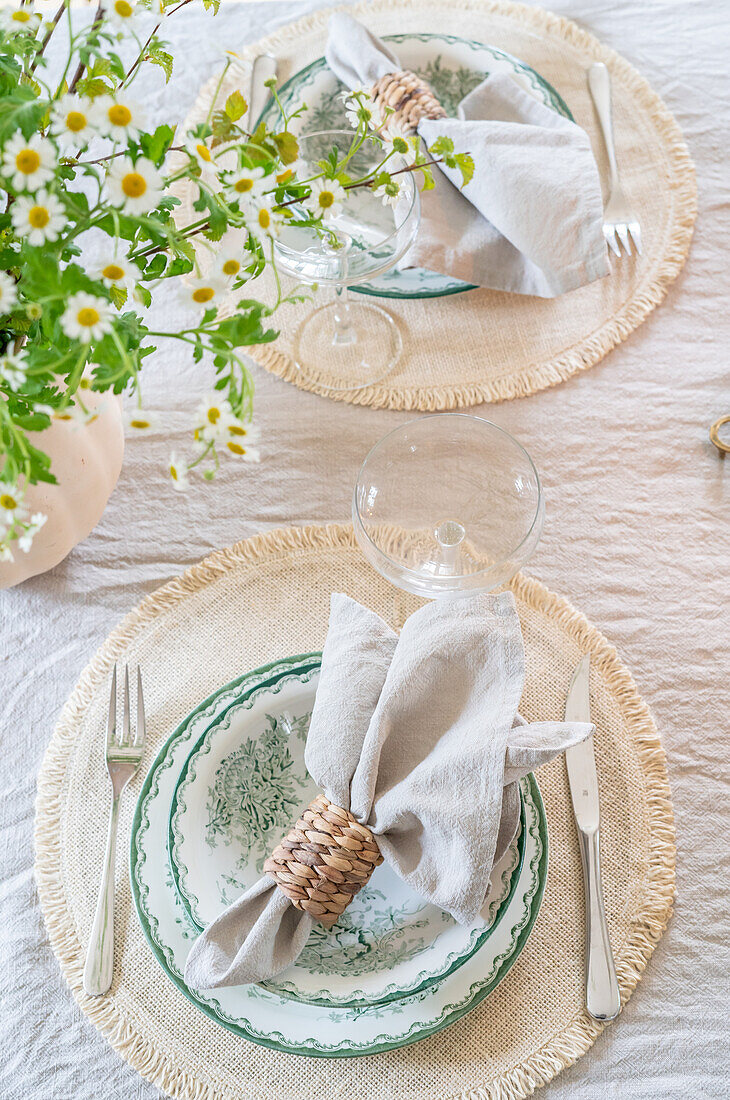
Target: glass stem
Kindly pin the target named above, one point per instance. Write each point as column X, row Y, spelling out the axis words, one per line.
column 343, row 330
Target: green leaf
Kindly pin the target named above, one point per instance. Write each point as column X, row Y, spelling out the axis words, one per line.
column 465, row 164
column 155, row 146
column 118, row 295
column 20, row 111
column 287, row 145
column 441, row 146
column 157, row 55
column 236, row 106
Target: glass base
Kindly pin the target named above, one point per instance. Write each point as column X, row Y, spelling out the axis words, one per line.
column 349, row 356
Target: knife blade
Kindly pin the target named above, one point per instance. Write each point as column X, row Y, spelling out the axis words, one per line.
column 603, row 1000
column 263, row 69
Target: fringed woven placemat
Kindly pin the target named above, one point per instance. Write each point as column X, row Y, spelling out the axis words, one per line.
column 268, row 597
column 486, row 345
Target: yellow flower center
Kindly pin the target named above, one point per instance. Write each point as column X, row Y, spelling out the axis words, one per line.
column 7, row 502
column 113, row 272
column 121, row 7
column 264, row 218
column 243, row 185
column 27, row 161
column 140, row 423
column 204, row 153
column 119, row 115
column 283, row 177
column 75, row 121
column 85, row 384
column 326, row 199
column 87, row 316
column 203, row 294
column 21, row 16
column 231, row 267
column 173, row 473
column 213, row 414
column 38, row 217
column 134, row 185
column 236, row 429
column 236, row 448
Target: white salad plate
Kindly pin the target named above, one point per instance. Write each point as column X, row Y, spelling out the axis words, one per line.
column 281, row 1022
column 241, row 788
column 453, row 66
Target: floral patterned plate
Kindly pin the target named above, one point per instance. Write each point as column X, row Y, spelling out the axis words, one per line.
column 453, row 67
column 240, row 789
column 285, row 1024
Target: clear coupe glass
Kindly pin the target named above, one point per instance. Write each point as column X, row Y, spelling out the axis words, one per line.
column 448, row 505
column 347, row 345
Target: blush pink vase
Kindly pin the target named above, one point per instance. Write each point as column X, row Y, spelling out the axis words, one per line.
column 86, row 460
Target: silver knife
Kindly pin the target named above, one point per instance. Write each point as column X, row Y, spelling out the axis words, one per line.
column 603, row 1000
column 263, row 69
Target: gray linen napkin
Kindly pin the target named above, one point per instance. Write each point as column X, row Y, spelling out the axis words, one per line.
column 419, row 737
column 530, row 220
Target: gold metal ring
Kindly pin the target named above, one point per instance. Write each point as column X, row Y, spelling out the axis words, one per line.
column 724, row 448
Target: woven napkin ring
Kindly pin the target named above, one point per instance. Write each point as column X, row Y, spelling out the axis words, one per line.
column 410, row 98
column 324, row 860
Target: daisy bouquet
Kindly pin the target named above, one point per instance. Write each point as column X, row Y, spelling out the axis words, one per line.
column 78, row 162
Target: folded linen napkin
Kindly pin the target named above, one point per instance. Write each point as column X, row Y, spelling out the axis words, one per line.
column 530, row 220
column 418, row 737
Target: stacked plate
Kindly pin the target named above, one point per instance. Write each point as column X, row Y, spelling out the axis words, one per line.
column 222, row 792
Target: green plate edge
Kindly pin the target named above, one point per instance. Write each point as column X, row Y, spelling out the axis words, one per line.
column 472, row 43
column 396, row 995
column 375, row 1048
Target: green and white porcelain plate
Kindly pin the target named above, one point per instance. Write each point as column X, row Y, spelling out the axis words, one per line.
column 240, row 790
column 453, row 67
column 282, row 1023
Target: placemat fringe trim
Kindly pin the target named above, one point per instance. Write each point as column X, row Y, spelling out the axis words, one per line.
column 155, row 1065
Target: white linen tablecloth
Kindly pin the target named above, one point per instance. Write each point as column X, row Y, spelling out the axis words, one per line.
column 637, row 537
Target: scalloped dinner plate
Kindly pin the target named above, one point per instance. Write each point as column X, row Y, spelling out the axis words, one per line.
column 283, row 1023
column 239, row 791
column 453, row 66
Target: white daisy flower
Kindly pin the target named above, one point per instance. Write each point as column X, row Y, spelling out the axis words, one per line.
column 261, row 220
column 75, row 413
column 140, row 420
column 203, row 157
column 19, row 19
column 116, row 271
column 12, row 509
column 231, row 258
column 123, row 14
column 244, row 184
column 179, row 474
column 326, row 199
column 389, row 192
column 136, row 186
column 363, row 111
column 86, row 317
column 28, row 164
column 397, row 140
column 38, row 219
column 12, row 371
column 238, row 432
column 73, row 121
column 8, row 293
column 118, row 119
column 6, row 554
column 213, row 416
column 243, row 451
column 31, row 530
column 202, row 293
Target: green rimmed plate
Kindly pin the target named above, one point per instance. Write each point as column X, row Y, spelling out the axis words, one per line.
column 281, row 1024
column 453, row 66
column 240, row 789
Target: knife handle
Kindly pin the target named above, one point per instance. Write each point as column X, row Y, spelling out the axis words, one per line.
column 603, row 1000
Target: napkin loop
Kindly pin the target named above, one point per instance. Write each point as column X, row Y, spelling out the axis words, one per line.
column 409, row 98
column 324, row 860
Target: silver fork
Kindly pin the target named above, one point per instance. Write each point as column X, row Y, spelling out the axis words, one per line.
column 618, row 217
column 123, row 755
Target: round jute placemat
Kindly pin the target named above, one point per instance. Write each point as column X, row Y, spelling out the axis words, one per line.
column 268, row 597
column 485, row 345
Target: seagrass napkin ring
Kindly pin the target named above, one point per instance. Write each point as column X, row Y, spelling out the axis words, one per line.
column 324, row 860
column 409, row 99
